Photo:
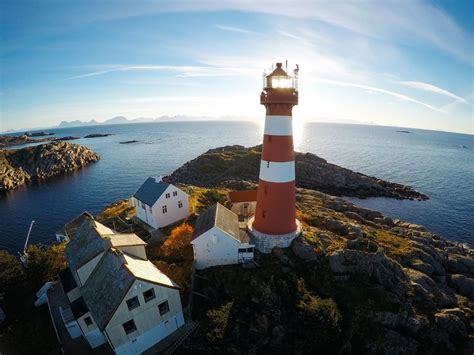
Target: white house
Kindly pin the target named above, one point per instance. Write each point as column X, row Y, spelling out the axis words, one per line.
column 217, row 239
column 159, row 204
column 114, row 293
column 243, row 202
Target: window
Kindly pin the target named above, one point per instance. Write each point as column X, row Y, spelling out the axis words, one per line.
column 129, row 327
column 245, row 250
column 268, row 164
column 150, row 209
column 175, row 193
column 143, row 206
column 167, row 195
column 88, row 321
column 133, row 303
column 180, row 204
column 149, row 295
column 164, row 308
column 164, row 209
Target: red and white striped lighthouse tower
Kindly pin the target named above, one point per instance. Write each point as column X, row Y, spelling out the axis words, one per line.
column 274, row 223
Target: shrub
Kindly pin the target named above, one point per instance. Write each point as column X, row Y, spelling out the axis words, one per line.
column 209, row 198
column 11, row 270
column 178, row 245
column 218, row 319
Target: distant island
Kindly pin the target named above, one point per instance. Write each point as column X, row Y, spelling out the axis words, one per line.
column 403, row 131
column 125, row 120
column 238, row 167
column 18, row 167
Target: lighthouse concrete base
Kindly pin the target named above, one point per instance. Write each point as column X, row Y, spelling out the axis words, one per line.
column 266, row 242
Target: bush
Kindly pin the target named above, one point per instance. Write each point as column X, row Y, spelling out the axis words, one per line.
column 209, row 198
column 319, row 320
column 11, row 271
column 218, row 319
column 178, row 245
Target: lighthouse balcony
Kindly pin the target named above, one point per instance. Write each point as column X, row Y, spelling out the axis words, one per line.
column 279, row 96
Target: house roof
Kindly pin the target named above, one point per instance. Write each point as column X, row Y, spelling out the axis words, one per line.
column 145, row 270
column 74, row 224
column 150, row 191
column 93, row 238
column 67, row 280
column 124, row 239
column 221, row 217
column 86, row 244
column 243, row 196
column 110, row 281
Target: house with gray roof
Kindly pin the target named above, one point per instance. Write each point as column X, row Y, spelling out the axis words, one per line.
column 159, row 203
column 114, row 294
column 218, row 240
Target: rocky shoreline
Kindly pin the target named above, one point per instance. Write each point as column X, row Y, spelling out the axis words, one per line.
column 238, row 167
column 355, row 281
column 8, row 141
column 18, row 167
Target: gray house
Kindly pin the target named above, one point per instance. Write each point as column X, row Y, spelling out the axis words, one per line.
column 114, row 294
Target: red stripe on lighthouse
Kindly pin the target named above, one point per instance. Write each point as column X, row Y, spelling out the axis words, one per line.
column 275, row 213
column 278, row 148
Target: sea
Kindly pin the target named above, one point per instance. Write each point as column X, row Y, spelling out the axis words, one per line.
column 439, row 164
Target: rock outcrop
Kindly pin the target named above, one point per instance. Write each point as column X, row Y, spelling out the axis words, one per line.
column 8, row 141
column 18, row 167
column 238, row 167
column 399, row 288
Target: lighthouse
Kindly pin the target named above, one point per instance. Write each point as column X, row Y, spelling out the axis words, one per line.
column 274, row 223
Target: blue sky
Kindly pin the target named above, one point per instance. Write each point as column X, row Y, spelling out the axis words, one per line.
column 402, row 63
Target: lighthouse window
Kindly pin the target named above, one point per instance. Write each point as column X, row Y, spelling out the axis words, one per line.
column 164, row 209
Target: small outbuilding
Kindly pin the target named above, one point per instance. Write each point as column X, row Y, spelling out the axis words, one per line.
column 218, row 240
column 243, row 202
column 159, row 203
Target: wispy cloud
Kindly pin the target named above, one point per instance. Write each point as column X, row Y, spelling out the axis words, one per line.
column 179, row 70
column 235, row 29
column 431, row 88
column 376, row 89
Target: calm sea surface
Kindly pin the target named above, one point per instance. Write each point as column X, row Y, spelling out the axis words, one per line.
column 438, row 164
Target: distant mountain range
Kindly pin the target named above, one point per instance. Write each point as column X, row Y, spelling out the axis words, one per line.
column 125, row 120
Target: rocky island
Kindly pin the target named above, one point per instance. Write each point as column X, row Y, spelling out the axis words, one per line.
column 238, row 167
column 18, row 167
column 355, row 280
column 8, row 141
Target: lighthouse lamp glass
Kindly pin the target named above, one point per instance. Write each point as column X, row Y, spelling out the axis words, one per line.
column 282, row 82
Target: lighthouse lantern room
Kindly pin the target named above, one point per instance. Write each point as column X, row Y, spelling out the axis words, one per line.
column 274, row 223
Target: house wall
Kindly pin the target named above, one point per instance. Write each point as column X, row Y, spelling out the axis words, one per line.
column 151, row 327
column 85, row 270
column 174, row 213
column 215, row 247
column 136, row 250
column 91, row 332
column 238, row 207
column 144, row 213
column 74, row 294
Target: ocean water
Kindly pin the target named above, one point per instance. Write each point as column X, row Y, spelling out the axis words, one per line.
column 438, row 164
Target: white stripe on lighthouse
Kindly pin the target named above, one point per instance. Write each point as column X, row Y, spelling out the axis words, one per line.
column 271, row 171
column 278, row 125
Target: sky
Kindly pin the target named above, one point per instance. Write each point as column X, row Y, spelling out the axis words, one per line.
column 396, row 63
